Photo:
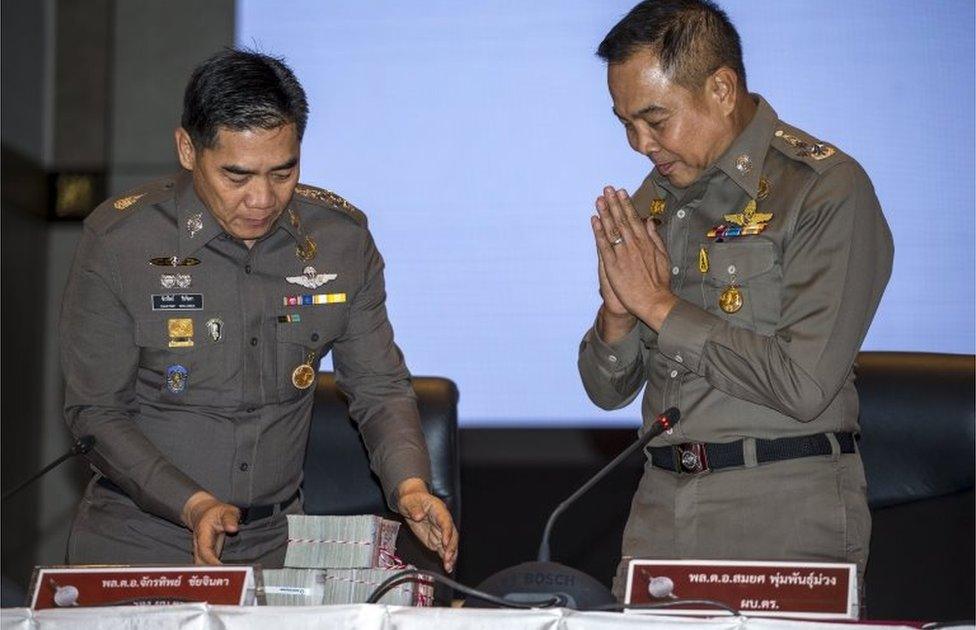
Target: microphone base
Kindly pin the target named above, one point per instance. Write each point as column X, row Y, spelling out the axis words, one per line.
column 537, row 581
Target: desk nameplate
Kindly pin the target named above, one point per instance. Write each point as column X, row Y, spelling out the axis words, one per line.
column 799, row 590
column 121, row 585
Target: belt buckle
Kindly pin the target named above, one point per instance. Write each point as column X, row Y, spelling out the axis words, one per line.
column 691, row 458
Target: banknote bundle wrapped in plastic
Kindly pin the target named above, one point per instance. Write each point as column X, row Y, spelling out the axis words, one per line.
column 316, row 587
column 335, row 542
column 341, row 560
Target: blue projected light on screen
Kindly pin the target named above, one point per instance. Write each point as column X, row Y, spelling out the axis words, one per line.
column 476, row 136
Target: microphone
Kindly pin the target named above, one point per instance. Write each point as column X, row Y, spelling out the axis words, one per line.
column 82, row 446
column 542, row 579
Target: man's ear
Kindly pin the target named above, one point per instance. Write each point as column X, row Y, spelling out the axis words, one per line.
column 185, row 149
column 722, row 89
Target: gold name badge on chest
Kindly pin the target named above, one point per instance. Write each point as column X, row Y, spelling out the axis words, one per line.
column 303, row 376
column 180, row 332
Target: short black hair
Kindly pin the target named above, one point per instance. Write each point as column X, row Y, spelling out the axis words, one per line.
column 692, row 38
column 241, row 89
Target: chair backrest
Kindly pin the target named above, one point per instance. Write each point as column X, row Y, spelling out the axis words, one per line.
column 917, row 422
column 337, row 475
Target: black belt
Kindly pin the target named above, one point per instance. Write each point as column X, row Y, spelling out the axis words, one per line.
column 248, row 514
column 699, row 457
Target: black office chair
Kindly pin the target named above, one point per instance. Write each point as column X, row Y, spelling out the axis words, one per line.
column 917, row 423
column 337, row 475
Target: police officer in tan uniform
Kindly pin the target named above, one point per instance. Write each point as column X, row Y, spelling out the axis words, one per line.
column 195, row 315
column 738, row 283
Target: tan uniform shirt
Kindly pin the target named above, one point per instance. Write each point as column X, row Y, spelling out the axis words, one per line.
column 184, row 373
column 810, row 284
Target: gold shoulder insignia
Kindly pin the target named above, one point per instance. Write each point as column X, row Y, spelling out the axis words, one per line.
column 329, row 197
column 125, row 202
column 339, row 202
column 815, row 150
column 311, row 193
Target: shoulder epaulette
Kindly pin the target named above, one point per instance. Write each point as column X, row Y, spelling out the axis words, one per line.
column 136, row 195
column 805, row 148
column 116, row 210
column 331, row 200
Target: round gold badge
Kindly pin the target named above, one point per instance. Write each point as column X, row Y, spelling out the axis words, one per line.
column 303, row 376
column 731, row 299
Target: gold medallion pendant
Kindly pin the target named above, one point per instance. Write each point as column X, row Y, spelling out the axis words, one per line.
column 731, row 299
column 303, row 376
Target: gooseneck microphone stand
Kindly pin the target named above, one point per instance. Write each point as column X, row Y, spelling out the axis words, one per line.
column 533, row 582
column 82, row 446
column 627, row 452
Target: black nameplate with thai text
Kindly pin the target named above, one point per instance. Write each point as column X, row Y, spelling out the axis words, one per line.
column 177, row 302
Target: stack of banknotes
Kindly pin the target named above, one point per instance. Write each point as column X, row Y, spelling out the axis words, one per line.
column 341, row 560
column 341, row 542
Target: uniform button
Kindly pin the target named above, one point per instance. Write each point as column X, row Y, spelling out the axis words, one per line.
column 681, row 214
column 612, row 358
column 250, row 410
column 243, row 466
column 675, row 270
column 315, row 336
column 674, row 373
column 254, row 341
column 731, row 269
column 678, row 358
column 247, row 268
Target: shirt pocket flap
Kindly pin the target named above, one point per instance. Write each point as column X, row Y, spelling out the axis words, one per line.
column 304, row 333
column 742, row 260
column 312, row 327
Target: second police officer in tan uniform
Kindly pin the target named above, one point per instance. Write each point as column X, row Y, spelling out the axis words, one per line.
column 195, row 315
column 738, row 283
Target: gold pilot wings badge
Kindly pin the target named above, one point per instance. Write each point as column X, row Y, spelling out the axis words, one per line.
column 749, row 216
column 311, row 279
